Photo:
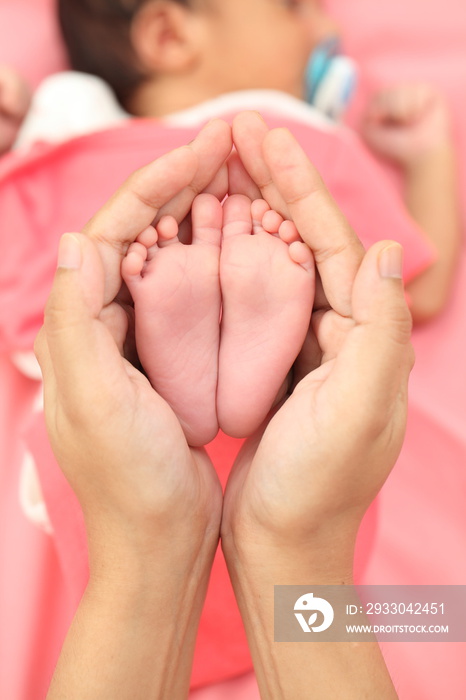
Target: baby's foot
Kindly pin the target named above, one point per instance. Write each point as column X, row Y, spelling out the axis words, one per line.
column 176, row 293
column 268, row 291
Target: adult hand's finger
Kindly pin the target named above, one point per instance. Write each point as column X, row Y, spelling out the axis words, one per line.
column 212, row 147
column 249, row 132
column 75, row 344
column 292, row 186
column 219, row 185
column 239, row 180
column 175, row 177
column 376, row 357
column 336, row 248
column 42, row 353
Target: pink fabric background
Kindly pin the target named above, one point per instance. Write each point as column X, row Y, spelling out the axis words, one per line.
column 420, row 535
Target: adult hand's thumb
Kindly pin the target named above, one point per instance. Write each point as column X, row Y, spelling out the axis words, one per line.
column 377, row 358
column 68, row 340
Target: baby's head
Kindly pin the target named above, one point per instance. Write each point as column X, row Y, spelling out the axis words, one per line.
column 160, row 56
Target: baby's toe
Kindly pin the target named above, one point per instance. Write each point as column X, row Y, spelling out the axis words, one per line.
column 133, row 263
column 272, row 221
column 237, row 216
column 288, row 232
column 167, row 231
column 301, row 254
column 207, row 217
column 259, row 207
column 148, row 237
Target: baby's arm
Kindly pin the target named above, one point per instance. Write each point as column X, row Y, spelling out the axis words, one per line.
column 410, row 125
column 15, row 97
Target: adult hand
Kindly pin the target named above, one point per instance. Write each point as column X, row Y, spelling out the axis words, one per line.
column 87, row 381
column 299, row 488
column 118, row 442
column 152, row 505
column 329, row 448
column 299, row 194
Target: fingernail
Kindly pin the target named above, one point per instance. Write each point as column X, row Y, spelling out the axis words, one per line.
column 69, row 252
column 391, row 261
column 260, row 116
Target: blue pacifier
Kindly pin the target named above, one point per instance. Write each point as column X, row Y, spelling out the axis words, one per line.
column 330, row 79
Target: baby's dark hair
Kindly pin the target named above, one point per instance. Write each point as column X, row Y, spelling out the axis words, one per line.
column 97, row 38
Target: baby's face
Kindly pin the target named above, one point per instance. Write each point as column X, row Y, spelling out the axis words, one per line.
column 263, row 43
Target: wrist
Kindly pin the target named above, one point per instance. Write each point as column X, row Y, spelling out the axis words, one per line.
column 134, row 632
column 287, row 670
column 130, row 560
column 324, row 557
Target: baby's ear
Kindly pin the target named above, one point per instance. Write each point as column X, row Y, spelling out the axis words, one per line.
column 163, row 37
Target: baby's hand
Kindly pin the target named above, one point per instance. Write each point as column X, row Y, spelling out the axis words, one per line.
column 15, row 97
column 406, row 122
